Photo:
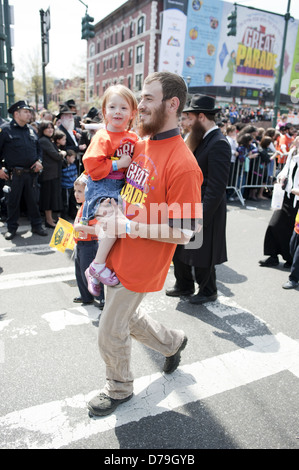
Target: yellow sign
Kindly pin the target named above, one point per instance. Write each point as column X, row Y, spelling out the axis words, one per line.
column 63, row 236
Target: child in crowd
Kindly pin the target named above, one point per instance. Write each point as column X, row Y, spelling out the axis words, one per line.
column 69, row 174
column 59, row 139
column 105, row 161
column 86, row 247
column 246, row 151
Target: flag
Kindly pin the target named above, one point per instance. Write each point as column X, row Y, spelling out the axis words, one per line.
column 63, row 236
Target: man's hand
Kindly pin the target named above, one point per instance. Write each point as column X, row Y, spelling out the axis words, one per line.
column 3, row 174
column 113, row 221
column 37, row 167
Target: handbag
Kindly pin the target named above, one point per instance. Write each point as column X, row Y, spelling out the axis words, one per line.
column 277, row 197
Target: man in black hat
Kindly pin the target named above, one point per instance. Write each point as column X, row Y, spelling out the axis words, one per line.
column 21, row 154
column 72, row 105
column 212, row 152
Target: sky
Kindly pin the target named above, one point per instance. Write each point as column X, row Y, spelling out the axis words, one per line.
column 67, row 49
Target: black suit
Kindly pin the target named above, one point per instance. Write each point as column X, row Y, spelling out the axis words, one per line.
column 213, row 157
column 70, row 142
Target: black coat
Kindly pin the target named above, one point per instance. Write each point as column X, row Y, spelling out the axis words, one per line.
column 51, row 159
column 70, row 144
column 213, row 156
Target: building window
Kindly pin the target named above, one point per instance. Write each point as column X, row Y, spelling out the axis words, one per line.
column 130, row 82
column 98, row 47
column 116, row 37
column 140, row 54
column 131, row 29
column 122, row 60
column 91, row 92
column 130, row 60
column 123, row 34
column 140, row 25
column 138, row 82
column 92, row 50
column 98, row 68
column 115, row 62
column 91, row 72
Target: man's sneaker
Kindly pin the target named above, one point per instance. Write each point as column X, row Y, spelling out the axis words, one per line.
column 290, row 284
column 103, row 405
column 171, row 363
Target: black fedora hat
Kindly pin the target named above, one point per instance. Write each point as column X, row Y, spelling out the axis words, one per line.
column 70, row 103
column 64, row 109
column 18, row 105
column 202, row 104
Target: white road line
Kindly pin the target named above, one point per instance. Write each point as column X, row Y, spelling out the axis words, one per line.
column 25, row 250
column 62, row 422
column 32, row 278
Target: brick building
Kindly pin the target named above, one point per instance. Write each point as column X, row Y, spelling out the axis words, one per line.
column 125, row 47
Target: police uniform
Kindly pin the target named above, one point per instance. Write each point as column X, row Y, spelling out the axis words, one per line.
column 20, row 150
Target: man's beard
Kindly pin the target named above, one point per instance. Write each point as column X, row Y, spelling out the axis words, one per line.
column 195, row 137
column 67, row 123
column 158, row 119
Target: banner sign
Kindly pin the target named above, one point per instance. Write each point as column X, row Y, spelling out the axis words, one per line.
column 195, row 44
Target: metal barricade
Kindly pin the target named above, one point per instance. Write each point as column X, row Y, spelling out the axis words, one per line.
column 252, row 174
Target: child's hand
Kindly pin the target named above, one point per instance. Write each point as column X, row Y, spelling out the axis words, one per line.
column 124, row 161
column 80, row 228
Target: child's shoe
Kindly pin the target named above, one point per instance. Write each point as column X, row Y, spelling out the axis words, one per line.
column 111, row 280
column 93, row 288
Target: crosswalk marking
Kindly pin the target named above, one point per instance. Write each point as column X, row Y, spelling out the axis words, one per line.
column 62, row 422
column 32, row 278
column 23, row 250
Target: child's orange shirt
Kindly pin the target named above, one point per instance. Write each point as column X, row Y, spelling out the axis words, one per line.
column 104, row 147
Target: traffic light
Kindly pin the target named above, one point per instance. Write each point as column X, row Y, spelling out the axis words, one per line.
column 87, row 27
column 232, row 25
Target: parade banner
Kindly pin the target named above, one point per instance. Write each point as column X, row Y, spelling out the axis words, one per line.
column 208, row 56
column 173, row 36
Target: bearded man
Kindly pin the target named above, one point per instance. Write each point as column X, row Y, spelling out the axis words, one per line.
column 212, row 152
column 67, row 125
column 162, row 180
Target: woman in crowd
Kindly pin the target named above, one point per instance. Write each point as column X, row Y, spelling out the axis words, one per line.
column 50, row 194
column 281, row 225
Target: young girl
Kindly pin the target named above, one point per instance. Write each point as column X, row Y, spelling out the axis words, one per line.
column 105, row 161
column 86, row 247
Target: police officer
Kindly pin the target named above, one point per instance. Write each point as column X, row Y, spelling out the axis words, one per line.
column 21, row 154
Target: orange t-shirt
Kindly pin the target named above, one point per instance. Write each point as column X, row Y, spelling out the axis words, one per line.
column 162, row 182
column 284, row 140
column 104, row 147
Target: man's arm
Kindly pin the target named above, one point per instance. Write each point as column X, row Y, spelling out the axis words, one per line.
column 115, row 224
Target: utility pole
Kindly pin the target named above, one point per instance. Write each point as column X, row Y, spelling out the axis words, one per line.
column 3, row 68
column 45, row 26
column 8, row 20
column 287, row 17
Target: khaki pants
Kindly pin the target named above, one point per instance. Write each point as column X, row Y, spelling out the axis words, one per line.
column 120, row 321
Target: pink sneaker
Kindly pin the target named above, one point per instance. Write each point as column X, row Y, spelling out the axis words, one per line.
column 94, row 289
column 111, row 280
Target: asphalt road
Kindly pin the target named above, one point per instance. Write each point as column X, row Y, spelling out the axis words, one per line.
column 236, row 388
